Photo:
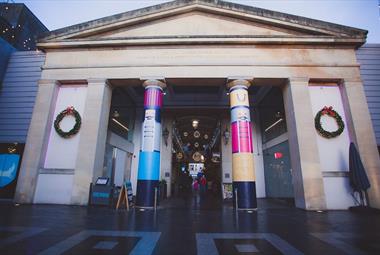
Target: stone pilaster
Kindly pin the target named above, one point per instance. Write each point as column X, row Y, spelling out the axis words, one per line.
column 36, row 141
column 361, row 132
column 307, row 176
column 166, row 153
column 89, row 163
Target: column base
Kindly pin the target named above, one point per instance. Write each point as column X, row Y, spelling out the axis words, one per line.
column 246, row 195
column 145, row 193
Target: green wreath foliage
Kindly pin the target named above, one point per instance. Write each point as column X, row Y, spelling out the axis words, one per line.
column 332, row 113
column 78, row 121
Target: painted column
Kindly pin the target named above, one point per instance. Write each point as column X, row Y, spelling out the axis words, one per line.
column 243, row 172
column 149, row 159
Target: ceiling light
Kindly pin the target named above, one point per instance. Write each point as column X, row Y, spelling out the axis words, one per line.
column 274, row 124
column 195, row 123
column 120, row 124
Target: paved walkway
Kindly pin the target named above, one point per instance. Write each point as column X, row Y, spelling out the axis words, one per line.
column 185, row 226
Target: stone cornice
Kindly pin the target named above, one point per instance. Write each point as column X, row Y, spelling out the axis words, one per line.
column 200, row 40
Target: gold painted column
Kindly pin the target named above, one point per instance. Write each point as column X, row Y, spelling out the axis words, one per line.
column 243, row 171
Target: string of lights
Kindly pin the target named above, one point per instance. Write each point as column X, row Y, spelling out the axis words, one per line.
column 14, row 29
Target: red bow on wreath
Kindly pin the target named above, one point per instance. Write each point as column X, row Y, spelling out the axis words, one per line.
column 328, row 111
column 70, row 110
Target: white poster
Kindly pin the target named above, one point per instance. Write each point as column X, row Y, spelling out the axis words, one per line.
column 151, row 132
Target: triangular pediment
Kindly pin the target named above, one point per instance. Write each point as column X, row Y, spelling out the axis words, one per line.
column 203, row 19
column 197, row 23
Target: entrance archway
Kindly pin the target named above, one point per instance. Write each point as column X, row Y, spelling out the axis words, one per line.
column 196, row 157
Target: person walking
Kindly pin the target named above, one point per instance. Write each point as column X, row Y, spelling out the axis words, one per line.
column 195, row 186
column 203, row 183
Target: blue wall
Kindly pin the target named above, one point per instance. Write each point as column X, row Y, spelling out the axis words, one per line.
column 18, row 94
column 368, row 57
column 5, row 51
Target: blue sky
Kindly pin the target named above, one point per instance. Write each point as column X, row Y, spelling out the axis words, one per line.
column 357, row 13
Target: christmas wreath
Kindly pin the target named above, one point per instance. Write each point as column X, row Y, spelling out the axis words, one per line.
column 329, row 112
column 68, row 111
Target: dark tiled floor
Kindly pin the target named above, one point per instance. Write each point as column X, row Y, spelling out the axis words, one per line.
column 187, row 225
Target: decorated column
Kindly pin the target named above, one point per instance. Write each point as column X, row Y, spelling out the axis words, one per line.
column 149, row 160
column 243, row 171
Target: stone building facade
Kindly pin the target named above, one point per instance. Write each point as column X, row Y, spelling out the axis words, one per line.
column 101, row 66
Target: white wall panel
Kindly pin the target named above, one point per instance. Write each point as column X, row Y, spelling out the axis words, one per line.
column 54, row 189
column 61, row 152
column 338, row 193
column 333, row 152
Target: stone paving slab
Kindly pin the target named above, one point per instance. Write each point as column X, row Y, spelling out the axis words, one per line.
column 56, row 229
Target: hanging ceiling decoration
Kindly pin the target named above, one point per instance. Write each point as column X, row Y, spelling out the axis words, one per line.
column 195, row 124
column 197, row 134
column 179, row 156
column 215, row 157
column 177, row 138
column 214, row 138
column 197, row 156
column 202, row 139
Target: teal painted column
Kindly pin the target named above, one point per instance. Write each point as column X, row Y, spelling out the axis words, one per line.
column 149, row 160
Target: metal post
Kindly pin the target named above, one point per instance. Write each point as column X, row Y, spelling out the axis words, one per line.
column 236, row 200
column 155, row 198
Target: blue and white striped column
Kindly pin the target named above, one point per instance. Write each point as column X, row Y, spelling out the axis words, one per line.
column 149, row 160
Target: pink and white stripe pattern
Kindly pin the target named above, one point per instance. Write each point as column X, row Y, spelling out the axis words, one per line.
column 241, row 137
column 153, row 98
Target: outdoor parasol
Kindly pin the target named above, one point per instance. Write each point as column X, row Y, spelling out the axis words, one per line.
column 357, row 175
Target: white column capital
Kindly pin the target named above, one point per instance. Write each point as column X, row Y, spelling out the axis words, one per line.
column 154, row 82
column 239, row 82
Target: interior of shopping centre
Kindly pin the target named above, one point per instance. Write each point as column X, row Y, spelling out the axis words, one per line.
column 196, row 136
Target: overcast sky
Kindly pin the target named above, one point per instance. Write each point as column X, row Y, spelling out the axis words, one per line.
column 357, row 13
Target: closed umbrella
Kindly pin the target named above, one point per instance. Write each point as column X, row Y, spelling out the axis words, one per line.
column 357, row 175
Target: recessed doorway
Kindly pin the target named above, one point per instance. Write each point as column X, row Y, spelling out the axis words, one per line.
column 196, row 158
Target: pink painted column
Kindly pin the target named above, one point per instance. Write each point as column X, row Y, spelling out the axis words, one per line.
column 149, row 160
column 243, row 171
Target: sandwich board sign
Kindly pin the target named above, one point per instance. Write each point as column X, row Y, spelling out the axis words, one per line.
column 125, row 196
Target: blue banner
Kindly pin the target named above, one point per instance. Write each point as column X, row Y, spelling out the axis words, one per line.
column 8, row 168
